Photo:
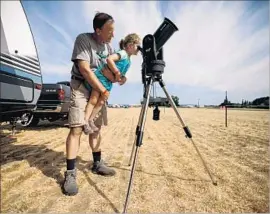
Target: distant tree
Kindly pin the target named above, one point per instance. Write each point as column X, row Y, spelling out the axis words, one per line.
column 225, row 102
column 175, row 100
column 261, row 101
column 266, row 102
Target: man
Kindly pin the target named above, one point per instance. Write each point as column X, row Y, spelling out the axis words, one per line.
column 89, row 51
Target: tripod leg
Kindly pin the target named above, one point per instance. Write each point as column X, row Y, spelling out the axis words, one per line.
column 132, row 152
column 137, row 129
column 139, row 137
column 186, row 129
column 133, row 147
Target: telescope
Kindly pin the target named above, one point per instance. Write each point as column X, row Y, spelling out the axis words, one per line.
column 152, row 70
column 152, row 49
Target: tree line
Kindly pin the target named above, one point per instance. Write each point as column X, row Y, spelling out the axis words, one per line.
column 261, row 102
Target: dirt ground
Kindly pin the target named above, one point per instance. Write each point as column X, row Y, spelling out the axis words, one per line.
column 169, row 176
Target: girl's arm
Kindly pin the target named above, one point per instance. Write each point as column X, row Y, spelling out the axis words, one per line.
column 123, row 79
column 111, row 64
column 109, row 75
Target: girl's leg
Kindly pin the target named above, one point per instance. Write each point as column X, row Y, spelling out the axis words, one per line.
column 97, row 109
column 95, row 112
column 88, row 110
column 91, row 104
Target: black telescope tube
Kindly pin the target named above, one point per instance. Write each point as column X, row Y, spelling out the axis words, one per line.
column 164, row 32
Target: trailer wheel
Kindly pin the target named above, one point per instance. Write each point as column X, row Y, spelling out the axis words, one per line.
column 28, row 119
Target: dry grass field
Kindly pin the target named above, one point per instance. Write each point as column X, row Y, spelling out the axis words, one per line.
column 169, row 176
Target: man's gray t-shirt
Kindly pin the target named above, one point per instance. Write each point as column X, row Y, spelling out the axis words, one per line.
column 87, row 49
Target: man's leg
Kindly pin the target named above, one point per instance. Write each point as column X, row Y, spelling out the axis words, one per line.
column 95, row 143
column 99, row 166
column 95, row 140
column 73, row 142
column 72, row 146
column 78, row 102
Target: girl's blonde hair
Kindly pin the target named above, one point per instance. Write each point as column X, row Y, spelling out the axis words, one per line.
column 129, row 39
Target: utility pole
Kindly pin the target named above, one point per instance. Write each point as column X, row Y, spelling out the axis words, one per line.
column 226, row 115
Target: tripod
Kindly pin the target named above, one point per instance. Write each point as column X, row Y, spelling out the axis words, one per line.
column 140, row 129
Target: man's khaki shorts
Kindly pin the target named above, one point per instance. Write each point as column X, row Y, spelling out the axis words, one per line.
column 78, row 100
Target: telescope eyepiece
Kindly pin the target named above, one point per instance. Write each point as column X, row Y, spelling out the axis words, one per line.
column 140, row 48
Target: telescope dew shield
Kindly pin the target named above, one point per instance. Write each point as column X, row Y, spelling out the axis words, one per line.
column 164, row 32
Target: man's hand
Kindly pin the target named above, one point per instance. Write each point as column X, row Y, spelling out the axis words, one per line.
column 122, row 80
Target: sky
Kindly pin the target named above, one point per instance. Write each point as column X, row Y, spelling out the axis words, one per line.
column 219, row 46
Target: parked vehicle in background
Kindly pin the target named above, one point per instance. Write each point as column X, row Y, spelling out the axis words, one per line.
column 52, row 105
column 20, row 73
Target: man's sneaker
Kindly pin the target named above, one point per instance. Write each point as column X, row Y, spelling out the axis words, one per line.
column 100, row 168
column 70, row 186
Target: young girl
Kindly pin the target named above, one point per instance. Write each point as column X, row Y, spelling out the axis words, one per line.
column 118, row 63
